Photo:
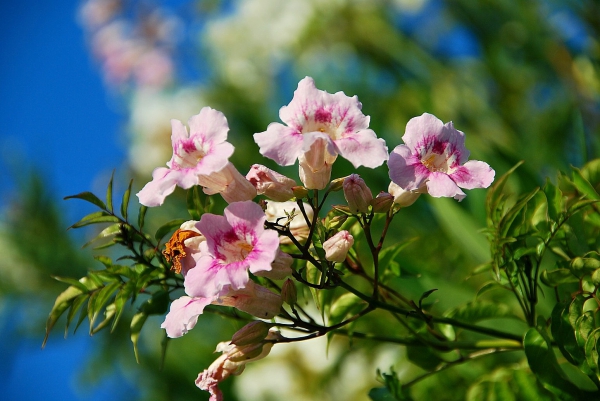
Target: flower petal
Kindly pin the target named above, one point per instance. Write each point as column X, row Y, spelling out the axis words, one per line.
column 473, row 174
column 210, row 124
column 363, row 148
column 424, row 126
column 183, row 315
column 245, row 217
column 440, row 185
column 406, row 170
column 280, row 143
column 163, row 184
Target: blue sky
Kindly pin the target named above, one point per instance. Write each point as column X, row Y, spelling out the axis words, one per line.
column 55, row 111
column 55, row 116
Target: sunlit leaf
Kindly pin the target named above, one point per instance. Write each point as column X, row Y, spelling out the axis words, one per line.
column 555, row 200
column 584, row 185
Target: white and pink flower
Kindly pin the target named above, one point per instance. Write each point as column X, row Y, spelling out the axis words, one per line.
column 335, row 121
column 232, row 361
column 200, row 153
column 254, row 299
column 235, row 244
column 434, row 157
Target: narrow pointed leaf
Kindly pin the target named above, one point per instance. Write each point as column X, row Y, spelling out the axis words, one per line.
column 136, row 326
column 142, row 216
column 109, row 192
column 125, row 201
column 89, row 197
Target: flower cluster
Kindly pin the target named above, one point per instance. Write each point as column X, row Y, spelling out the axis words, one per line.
column 222, row 257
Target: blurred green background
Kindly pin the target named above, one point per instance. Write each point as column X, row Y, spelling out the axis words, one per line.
column 520, row 78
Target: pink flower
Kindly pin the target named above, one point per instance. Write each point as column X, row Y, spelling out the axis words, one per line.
column 253, row 299
column 202, row 152
column 232, row 362
column 183, row 315
column 314, row 114
column 434, row 155
column 232, row 186
column 235, row 244
column 270, row 183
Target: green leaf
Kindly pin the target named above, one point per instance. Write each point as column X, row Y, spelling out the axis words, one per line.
column 555, row 200
column 167, row 228
column 583, row 266
column 75, row 306
column 61, row 304
column 591, row 351
column 136, row 326
column 120, row 300
column 109, row 231
column 98, row 300
column 103, row 218
column 109, row 192
column 89, row 197
column 125, row 201
column 73, row 282
column 473, row 312
column 584, row 186
column 495, row 193
column 508, row 218
column 345, row 306
column 109, row 314
column 553, row 278
column 544, row 365
column 142, row 216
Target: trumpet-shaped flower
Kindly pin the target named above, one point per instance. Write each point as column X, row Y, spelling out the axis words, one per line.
column 232, row 361
column 315, row 114
column 253, row 299
column 201, row 152
column 270, row 183
column 235, row 244
column 434, row 155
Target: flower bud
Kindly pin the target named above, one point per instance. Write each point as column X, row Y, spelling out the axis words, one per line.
column 402, row 197
column 247, row 352
column 252, row 333
column 337, row 184
column 289, row 293
column 270, row 183
column 382, row 203
column 299, row 192
column 337, row 247
column 357, row 194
